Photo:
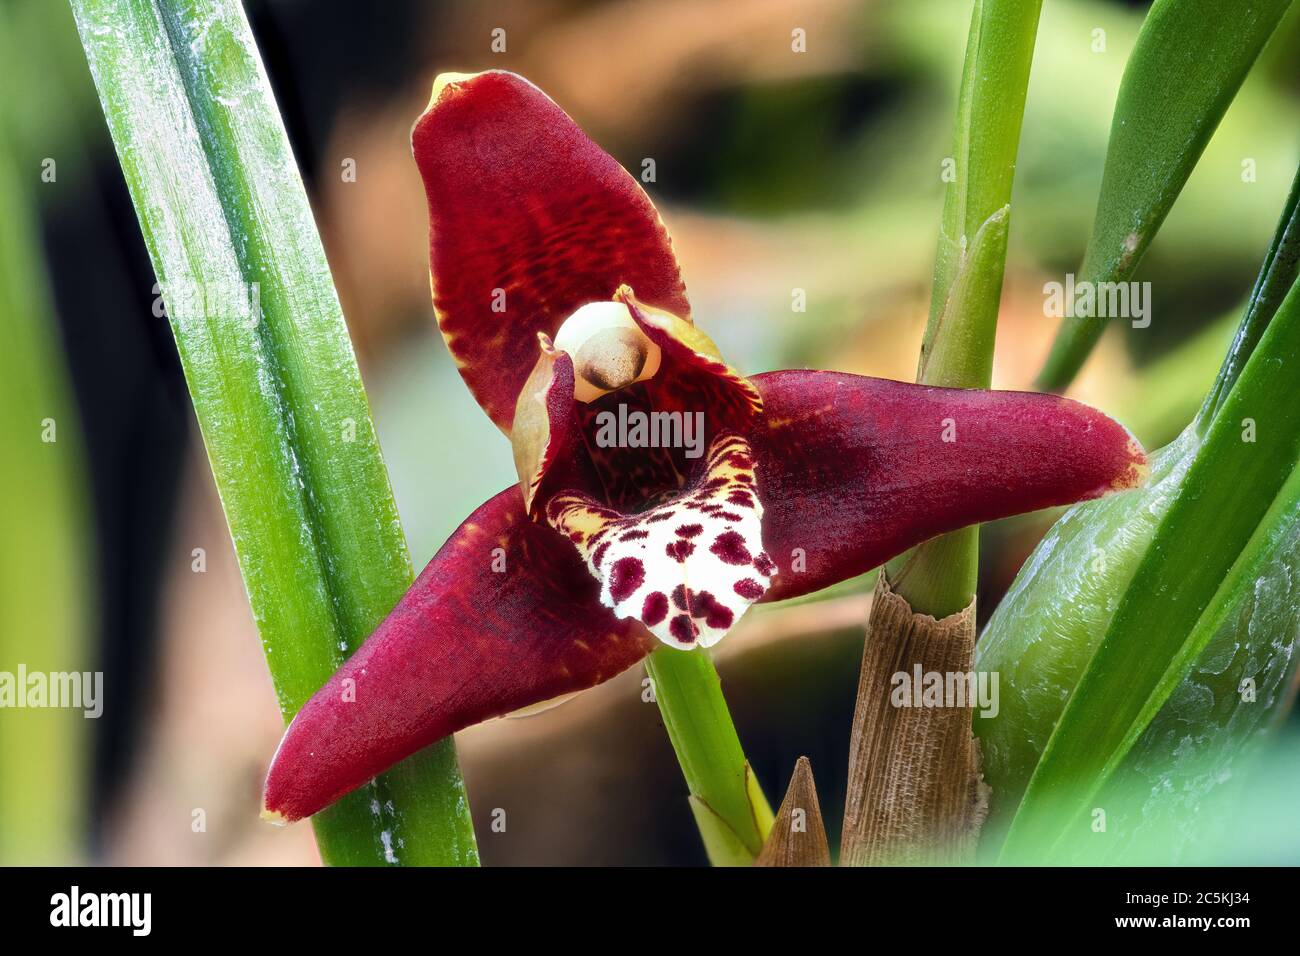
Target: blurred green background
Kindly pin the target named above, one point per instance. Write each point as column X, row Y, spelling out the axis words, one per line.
column 774, row 170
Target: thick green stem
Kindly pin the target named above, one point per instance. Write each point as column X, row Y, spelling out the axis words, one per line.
column 939, row 577
column 733, row 815
column 273, row 379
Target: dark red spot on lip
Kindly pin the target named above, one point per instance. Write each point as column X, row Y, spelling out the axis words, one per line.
column 683, row 629
column 715, row 615
column 625, row 577
column 660, row 516
column 741, row 498
column 764, row 564
column 720, row 617
column 654, row 609
column 748, row 588
column 730, row 547
column 679, row 597
column 599, row 554
column 679, row 550
column 728, row 515
column 689, row 530
column 633, row 535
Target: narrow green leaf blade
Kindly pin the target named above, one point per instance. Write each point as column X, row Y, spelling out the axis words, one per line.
column 986, row 140
column 1281, row 266
column 1194, row 748
column 276, row 388
column 1189, row 61
column 1048, row 625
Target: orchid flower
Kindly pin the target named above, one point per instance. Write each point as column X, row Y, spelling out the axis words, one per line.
column 661, row 493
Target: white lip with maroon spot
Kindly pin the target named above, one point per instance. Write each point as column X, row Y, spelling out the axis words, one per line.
column 688, row 569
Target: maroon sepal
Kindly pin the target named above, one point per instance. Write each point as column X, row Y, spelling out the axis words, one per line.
column 853, row 470
column 504, row 616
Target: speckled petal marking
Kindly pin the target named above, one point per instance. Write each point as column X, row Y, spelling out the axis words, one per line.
column 687, row 569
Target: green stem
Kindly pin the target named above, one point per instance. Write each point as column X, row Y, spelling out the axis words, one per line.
column 733, row 815
column 273, row 379
column 939, row 577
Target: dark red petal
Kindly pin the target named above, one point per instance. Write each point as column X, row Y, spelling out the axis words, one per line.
column 522, row 201
column 855, row 470
column 473, row 638
column 694, row 376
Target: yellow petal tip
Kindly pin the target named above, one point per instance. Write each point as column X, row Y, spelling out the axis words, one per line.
column 274, row 817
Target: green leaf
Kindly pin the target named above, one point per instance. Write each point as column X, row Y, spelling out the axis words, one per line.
column 45, row 545
column 1196, row 742
column 1213, row 530
column 961, row 347
column 1281, row 266
column 1048, row 625
column 939, row 577
column 1228, row 798
column 1047, row 628
column 275, row 387
column 1190, row 59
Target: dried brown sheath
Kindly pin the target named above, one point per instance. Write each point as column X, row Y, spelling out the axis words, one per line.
column 798, row 836
column 915, row 795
